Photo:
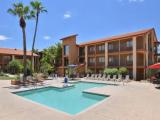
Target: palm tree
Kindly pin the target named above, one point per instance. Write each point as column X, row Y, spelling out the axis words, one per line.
column 37, row 9
column 23, row 13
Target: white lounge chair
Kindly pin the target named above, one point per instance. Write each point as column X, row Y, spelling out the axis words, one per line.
column 119, row 79
column 92, row 77
column 114, row 78
column 127, row 79
column 96, row 76
column 99, row 77
column 103, row 77
column 87, row 76
column 108, row 77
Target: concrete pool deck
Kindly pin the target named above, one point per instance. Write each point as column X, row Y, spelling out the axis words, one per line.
column 133, row 101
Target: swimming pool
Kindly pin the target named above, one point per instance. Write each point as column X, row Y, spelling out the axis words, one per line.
column 71, row 100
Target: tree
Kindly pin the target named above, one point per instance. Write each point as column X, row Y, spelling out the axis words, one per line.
column 37, row 9
column 46, row 68
column 51, row 58
column 23, row 13
column 15, row 66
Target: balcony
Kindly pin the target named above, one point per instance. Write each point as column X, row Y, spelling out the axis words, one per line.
column 100, row 49
column 100, row 52
column 100, row 64
column 140, row 59
column 130, row 63
column 116, row 49
column 125, row 48
column 113, row 64
column 81, row 51
column 91, row 64
column 91, row 52
column 140, row 43
column 81, row 60
column 113, row 46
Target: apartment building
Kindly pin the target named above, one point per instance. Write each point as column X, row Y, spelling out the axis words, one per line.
column 135, row 50
column 8, row 54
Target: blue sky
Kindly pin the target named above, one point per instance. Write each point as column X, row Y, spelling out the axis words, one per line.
column 90, row 19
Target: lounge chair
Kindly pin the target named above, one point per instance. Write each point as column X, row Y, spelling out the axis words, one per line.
column 103, row 77
column 31, row 81
column 96, row 77
column 126, row 79
column 99, row 77
column 114, row 78
column 39, row 79
column 92, row 77
column 108, row 77
column 119, row 79
column 87, row 76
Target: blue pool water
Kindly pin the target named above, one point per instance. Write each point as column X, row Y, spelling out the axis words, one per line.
column 70, row 100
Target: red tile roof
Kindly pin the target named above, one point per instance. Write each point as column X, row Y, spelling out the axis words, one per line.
column 10, row 51
column 117, row 37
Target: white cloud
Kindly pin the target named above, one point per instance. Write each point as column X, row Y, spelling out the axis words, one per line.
column 3, row 38
column 67, row 15
column 47, row 37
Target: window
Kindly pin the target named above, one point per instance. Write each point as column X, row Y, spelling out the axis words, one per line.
column 110, row 59
column 110, row 46
column 91, row 60
column 101, row 59
column 129, row 43
column 101, row 48
column 129, row 58
column 91, row 49
column 66, row 50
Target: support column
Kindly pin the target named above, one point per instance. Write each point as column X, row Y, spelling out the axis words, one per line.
column 119, row 53
column 86, row 58
column 134, row 58
column 13, row 57
column 146, row 55
column 106, row 54
column 147, row 49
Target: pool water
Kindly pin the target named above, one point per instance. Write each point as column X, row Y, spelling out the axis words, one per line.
column 71, row 100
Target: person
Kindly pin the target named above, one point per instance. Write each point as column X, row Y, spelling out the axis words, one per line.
column 65, row 81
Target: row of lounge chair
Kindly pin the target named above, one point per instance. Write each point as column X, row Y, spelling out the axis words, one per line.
column 105, row 77
column 30, row 80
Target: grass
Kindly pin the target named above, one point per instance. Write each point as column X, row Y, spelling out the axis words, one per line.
column 7, row 78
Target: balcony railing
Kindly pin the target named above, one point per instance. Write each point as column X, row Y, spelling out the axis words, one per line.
column 125, row 48
column 100, row 64
column 115, row 64
column 91, row 52
column 91, row 64
column 100, row 52
column 116, row 49
column 126, row 63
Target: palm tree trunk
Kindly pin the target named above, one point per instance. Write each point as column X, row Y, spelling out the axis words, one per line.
column 34, row 39
column 24, row 56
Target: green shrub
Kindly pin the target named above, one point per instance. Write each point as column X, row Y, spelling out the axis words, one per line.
column 123, row 71
column 114, row 71
column 111, row 71
column 15, row 66
column 89, row 71
column 108, row 71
